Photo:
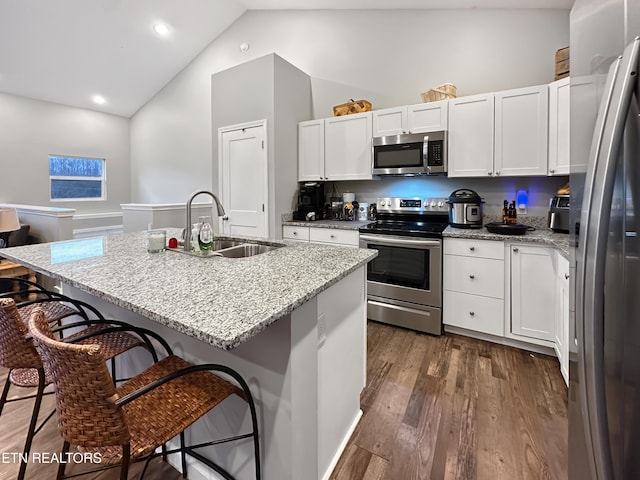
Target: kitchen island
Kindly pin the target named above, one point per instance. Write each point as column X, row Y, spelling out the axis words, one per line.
column 292, row 321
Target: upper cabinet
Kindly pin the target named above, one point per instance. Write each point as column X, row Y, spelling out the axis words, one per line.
column 311, row 151
column 471, row 136
column 521, row 131
column 419, row 118
column 336, row 148
column 559, row 127
column 496, row 134
column 347, row 147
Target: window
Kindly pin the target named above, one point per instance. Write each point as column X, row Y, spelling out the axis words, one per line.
column 76, row 178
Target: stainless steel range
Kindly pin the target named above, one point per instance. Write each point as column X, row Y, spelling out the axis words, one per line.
column 405, row 280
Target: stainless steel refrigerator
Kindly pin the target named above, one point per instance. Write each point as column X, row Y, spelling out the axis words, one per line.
column 604, row 370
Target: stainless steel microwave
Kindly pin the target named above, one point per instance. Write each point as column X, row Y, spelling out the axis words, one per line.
column 410, row 154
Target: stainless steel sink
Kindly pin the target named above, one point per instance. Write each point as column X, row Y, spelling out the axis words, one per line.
column 230, row 249
column 246, row 250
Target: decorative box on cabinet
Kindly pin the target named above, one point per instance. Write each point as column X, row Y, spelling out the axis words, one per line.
column 473, row 278
column 419, row 118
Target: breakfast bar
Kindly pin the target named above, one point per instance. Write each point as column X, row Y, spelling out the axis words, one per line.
column 291, row 321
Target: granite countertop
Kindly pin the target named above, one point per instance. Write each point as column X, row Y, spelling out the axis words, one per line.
column 221, row 301
column 339, row 224
column 542, row 235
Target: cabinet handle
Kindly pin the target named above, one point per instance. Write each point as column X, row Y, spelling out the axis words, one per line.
column 472, row 248
column 515, row 249
column 498, row 172
column 472, row 276
column 489, row 172
column 551, row 170
column 566, row 276
column 295, row 233
column 472, row 313
column 332, row 236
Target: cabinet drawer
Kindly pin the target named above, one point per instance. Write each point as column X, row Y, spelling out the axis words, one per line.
column 474, row 248
column 482, row 314
column 295, row 233
column 332, row 235
column 478, row 276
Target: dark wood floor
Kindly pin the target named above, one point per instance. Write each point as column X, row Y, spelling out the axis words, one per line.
column 434, row 408
column 456, row 408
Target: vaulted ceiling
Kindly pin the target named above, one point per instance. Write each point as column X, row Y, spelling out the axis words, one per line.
column 69, row 51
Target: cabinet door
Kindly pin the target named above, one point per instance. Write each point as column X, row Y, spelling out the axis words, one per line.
column 390, row 121
column 428, row 117
column 471, row 136
column 521, row 131
column 347, row 147
column 559, row 127
column 311, row 150
column 561, row 336
column 533, row 292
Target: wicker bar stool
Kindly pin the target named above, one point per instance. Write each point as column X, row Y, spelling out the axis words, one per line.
column 128, row 423
column 55, row 311
column 19, row 355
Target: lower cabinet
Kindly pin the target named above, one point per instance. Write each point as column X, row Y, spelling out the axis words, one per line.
column 473, row 281
column 533, row 293
column 516, row 291
column 330, row 236
column 561, row 337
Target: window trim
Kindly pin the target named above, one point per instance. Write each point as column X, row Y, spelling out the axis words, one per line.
column 102, row 179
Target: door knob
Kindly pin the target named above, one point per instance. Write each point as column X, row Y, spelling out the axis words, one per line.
column 472, row 276
column 472, row 313
column 515, row 249
column 225, row 217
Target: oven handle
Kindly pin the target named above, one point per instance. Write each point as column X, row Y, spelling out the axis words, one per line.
column 398, row 307
column 392, row 241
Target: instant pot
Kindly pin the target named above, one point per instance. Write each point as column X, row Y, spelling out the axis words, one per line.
column 465, row 209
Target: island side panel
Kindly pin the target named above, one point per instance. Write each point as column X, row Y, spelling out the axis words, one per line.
column 342, row 321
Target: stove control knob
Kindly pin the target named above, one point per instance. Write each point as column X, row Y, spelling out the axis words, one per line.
column 426, row 204
column 382, row 203
column 433, row 204
column 441, row 204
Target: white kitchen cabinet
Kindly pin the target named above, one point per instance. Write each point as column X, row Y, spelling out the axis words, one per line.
column 559, row 127
column 521, row 131
column 311, row 150
column 471, row 130
column 533, row 294
column 419, row 118
column 561, row 330
column 473, row 285
column 334, row 236
column 329, row 236
column 347, row 147
column 499, row 134
column 291, row 232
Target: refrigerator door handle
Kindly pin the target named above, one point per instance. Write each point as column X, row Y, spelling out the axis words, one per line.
column 599, row 185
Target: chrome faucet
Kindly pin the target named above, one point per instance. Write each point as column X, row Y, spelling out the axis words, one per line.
column 221, row 213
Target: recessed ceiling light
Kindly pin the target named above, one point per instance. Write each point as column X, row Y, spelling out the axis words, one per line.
column 161, row 29
column 100, row 100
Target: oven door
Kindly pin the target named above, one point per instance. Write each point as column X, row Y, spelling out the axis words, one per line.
column 407, row 269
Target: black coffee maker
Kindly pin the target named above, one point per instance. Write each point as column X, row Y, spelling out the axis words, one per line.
column 310, row 201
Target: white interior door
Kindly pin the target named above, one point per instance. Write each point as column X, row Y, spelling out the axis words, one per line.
column 243, row 179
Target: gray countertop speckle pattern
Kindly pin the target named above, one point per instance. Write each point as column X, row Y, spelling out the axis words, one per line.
column 342, row 225
column 221, row 301
column 540, row 235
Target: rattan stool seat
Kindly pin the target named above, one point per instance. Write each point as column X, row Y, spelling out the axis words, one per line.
column 160, row 415
column 55, row 311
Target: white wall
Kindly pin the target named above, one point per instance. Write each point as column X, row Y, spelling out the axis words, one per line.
column 387, row 57
column 30, row 130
